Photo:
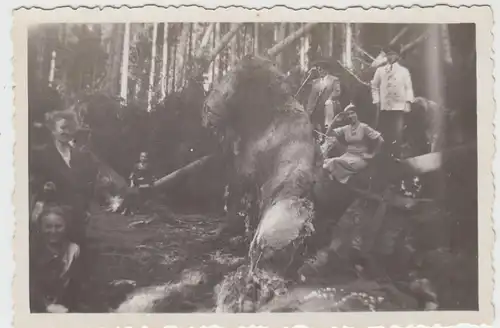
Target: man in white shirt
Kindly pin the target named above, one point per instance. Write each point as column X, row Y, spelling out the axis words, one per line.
column 392, row 92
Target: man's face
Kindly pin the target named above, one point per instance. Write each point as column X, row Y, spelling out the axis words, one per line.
column 392, row 57
column 143, row 157
column 322, row 72
column 64, row 130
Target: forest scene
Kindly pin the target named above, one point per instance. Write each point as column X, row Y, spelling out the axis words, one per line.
column 191, row 244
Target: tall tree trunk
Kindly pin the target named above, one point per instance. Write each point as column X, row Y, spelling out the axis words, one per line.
column 347, row 53
column 445, row 42
column 174, row 58
column 256, row 38
column 280, row 36
column 181, row 55
column 153, row 66
column 233, row 48
column 216, row 62
column 52, row 68
column 114, row 61
column 164, row 63
column 304, row 48
column 207, row 36
column 125, row 60
column 331, row 38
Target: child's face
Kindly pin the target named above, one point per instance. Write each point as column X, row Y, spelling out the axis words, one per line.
column 53, row 228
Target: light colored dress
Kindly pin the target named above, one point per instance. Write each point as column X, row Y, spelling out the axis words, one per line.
column 352, row 161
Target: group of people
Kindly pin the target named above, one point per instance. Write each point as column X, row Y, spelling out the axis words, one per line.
column 62, row 184
column 63, row 175
column 392, row 94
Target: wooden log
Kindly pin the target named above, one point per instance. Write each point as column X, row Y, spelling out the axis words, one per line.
column 278, row 48
column 182, row 172
column 427, row 163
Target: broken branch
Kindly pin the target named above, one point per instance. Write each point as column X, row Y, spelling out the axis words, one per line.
column 354, row 75
column 418, row 40
column 363, row 51
column 399, row 35
column 278, row 48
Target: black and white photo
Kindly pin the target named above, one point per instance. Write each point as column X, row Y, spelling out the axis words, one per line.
column 255, row 166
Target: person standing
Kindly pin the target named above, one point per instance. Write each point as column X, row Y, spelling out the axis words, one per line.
column 323, row 102
column 392, row 92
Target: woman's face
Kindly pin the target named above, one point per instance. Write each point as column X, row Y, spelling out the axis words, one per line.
column 64, row 130
column 53, row 228
column 352, row 117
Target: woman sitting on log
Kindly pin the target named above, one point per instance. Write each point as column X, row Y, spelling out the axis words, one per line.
column 54, row 260
column 357, row 136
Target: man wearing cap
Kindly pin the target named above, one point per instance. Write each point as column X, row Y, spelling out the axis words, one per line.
column 392, row 92
column 323, row 102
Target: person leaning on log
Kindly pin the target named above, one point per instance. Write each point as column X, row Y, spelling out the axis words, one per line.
column 357, row 136
column 392, row 92
column 323, row 102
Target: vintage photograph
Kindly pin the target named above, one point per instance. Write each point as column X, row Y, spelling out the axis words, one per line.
column 251, row 167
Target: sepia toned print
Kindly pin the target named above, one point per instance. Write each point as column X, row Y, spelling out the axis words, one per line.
column 209, row 163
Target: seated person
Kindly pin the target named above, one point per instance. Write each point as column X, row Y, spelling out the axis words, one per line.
column 142, row 178
column 357, row 136
column 53, row 262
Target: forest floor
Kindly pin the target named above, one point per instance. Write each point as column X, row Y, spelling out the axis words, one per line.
column 129, row 252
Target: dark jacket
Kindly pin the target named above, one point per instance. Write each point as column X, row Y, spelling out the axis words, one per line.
column 74, row 185
column 322, row 89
